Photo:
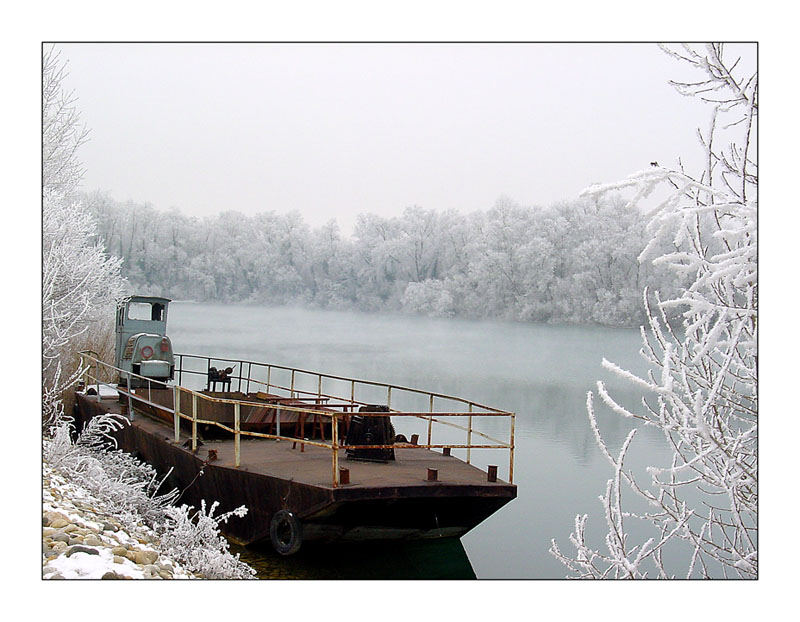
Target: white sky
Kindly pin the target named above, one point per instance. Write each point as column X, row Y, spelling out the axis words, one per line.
column 333, row 130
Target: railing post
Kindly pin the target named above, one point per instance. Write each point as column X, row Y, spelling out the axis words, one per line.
column 97, row 377
column 277, row 422
column 236, row 447
column 176, row 402
column 319, row 388
column 130, row 400
column 269, row 374
column 469, row 433
column 335, row 444
column 430, row 421
column 180, row 368
column 249, row 374
column 511, row 451
column 194, row 422
column 291, row 388
column 353, row 392
column 85, row 373
column 389, row 398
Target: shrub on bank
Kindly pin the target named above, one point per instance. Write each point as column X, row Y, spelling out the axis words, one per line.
column 130, row 490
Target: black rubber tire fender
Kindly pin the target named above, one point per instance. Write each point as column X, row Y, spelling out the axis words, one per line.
column 285, row 533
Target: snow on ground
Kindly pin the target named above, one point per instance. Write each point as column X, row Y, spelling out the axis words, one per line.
column 86, row 566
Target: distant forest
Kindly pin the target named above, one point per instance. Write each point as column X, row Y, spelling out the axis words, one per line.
column 574, row 262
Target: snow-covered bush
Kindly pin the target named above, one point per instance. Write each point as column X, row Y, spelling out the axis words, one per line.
column 130, row 491
column 430, row 297
column 128, row 486
column 702, row 390
column 192, row 538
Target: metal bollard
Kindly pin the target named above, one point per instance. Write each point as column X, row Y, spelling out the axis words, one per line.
column 433, row 475
column 491, row 476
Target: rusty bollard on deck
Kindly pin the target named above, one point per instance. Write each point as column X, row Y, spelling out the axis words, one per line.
column 491, row 476
column 433, row 475
column 344, row 476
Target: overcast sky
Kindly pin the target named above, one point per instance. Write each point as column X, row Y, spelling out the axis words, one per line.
column 333, row 130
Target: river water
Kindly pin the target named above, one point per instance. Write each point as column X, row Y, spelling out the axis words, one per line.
column 540, row 372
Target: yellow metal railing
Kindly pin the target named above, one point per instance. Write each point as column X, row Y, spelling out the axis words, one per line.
column 470, row 410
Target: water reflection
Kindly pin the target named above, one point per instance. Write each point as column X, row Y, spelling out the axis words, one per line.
column 432, row 559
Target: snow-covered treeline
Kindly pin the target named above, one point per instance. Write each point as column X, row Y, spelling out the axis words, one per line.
column 573, row 262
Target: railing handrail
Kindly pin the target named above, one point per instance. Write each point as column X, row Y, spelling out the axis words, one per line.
column 431, row 416
column 335, row 377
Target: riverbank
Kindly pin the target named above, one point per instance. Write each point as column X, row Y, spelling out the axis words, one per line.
column 81, row 539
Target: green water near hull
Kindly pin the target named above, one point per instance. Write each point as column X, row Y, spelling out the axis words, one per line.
column 420, row 559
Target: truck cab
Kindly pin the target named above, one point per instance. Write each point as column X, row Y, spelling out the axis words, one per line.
column 142, row 345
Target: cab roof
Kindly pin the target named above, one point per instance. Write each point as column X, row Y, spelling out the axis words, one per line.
column 157, row 299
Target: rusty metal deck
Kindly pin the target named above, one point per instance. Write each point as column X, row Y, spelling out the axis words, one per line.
column 311, row 465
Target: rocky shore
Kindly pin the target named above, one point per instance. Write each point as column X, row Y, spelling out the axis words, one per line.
column 81, row 540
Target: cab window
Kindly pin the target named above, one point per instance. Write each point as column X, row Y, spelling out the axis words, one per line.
column 140, row 311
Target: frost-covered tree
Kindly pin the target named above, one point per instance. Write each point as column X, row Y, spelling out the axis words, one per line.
column 331, row 269
column 80, row 286
column 80, row 282
column 499, row 266
column 702, row 389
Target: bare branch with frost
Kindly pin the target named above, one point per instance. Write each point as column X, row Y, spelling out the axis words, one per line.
column 701, row 390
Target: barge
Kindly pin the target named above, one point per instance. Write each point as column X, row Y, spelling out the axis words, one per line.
column 313, row 457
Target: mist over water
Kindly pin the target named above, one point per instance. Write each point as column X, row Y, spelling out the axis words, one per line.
column 540, row 372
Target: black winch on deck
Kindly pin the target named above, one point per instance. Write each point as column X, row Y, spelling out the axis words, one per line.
column 370, row 431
